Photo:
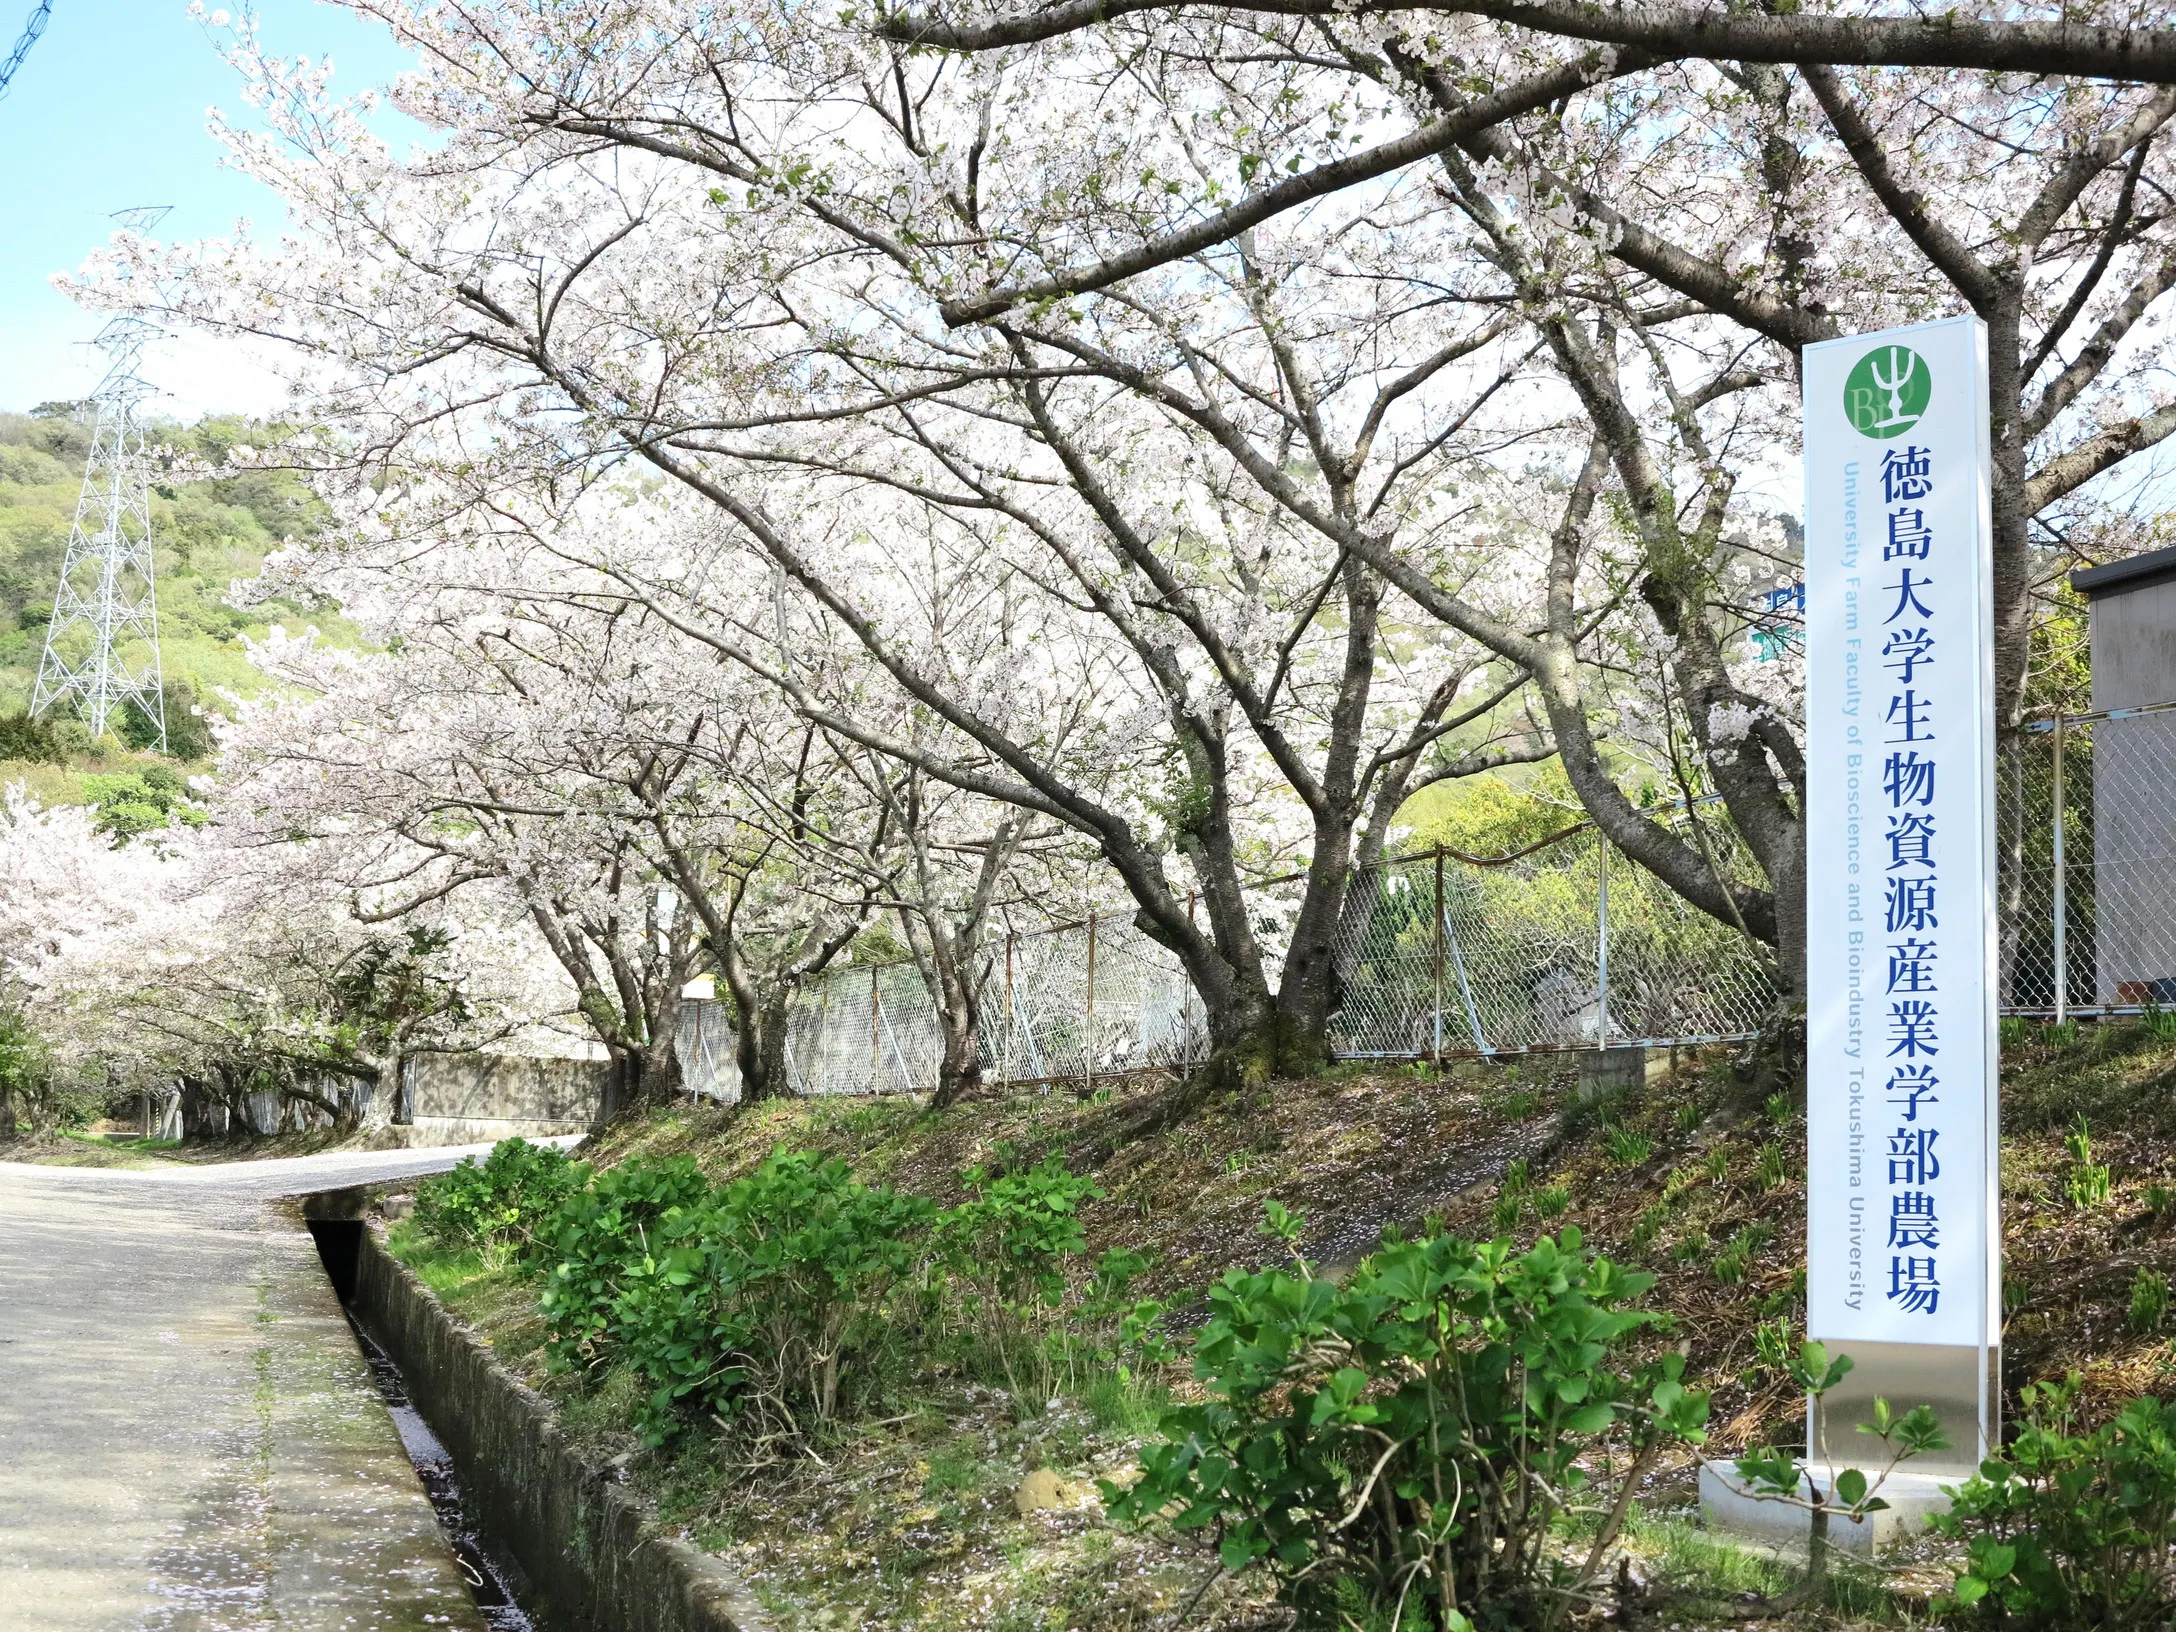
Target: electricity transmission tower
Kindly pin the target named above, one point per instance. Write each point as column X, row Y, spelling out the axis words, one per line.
column 39, row 17
column 102, row 647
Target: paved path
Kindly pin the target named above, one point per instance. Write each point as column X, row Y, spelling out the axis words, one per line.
column 189, row 1440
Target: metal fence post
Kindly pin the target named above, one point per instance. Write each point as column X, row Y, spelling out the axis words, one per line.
column 876, row 1036
column 1601, row 935
column 1091, row 1039
column 1187, row 993
column 1438, row 1001
column 1449, row 932
column 2062, row 891
column 1005, row 1067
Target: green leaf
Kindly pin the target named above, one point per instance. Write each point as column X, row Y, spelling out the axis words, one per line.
column 1851, row 1487
column 1590, row 1419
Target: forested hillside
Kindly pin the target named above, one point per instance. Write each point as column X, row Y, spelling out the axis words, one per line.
column 206, row 535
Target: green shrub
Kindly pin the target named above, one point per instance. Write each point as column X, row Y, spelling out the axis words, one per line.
column 1399, row 1449
column 1553, row 1200
column 1009, row 1245
column 1628, row 1147
column 501, row 1202
column 134, row 802
column 1768, row 1474
column 2067, row 1529
column 1688, row 1116
column 1106, row 1325
column 1013, row 1237
column 597, row 1238
column 811, row 1254
column 766, row 1293
column 36, row 741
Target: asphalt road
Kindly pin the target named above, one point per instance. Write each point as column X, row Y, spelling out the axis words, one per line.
column 189, row 1439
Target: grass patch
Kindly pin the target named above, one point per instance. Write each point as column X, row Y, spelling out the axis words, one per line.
column 605, row 1411
column 1125, row 1405
column 1696, row 1563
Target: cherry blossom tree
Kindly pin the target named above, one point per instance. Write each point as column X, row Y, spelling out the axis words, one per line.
column 1132, row 480
column 1189, row 427
column 1791, row 176
column 176, row 957
column 66, row 893
column 534, row 727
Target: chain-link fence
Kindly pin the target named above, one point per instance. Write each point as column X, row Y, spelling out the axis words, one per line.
column 1074, row 1003
column 2087, row 846
column 1439, row 955
column 1567, row 944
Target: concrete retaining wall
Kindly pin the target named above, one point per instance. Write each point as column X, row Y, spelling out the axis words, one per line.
column 454, row 1099
column 591, row 1560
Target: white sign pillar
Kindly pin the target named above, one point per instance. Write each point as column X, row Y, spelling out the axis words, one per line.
column 1903, row 1238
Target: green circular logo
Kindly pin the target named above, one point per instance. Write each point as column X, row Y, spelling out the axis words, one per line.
column 1887, row 391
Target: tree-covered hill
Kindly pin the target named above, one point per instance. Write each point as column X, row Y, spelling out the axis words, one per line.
column 205, row 535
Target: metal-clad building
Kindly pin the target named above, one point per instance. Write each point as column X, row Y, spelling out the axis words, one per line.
column 2134, row 776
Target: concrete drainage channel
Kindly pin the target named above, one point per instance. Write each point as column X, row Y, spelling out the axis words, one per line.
column 547, row 1540
column 490, row 1580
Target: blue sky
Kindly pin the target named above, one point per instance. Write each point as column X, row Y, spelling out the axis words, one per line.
column 106, row 113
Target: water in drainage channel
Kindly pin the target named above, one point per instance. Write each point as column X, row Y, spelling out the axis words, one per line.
column 337, row 1244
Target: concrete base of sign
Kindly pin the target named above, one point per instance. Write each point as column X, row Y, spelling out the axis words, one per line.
column 1912, row 1497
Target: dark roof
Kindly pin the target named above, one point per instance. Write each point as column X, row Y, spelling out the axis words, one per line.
column 2139, row 572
